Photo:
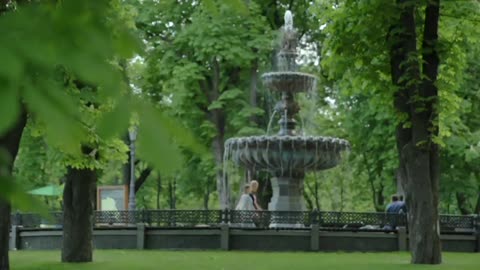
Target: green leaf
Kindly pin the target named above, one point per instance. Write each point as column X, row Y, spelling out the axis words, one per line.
column 9, row 108
column 159, row 136
column 116, row 121
column 358, row 63
column 57, row 111
column 11, row 66
column 239, row 5
column 211, row 7
column 231, row 94
column 127, row 44
column 154, row 143
column 216, row 104
column 12, row 192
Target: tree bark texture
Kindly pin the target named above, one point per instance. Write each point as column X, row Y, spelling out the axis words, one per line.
column 4, row 234
column 159, row 189
column 416, row 99
column 78, row 197
column 172, row 193
column 254, row 89
column 308, row 200
column 218, row 118
column 463, row 203
column 378, row 198
column 477, row 205
column 317, row 197
column 142, row 178
column 206, row 197
column 9, row 142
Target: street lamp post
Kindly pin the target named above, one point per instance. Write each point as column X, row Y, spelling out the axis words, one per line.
column 132, row 134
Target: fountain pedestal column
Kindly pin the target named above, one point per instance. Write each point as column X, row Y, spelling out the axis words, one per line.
column 287, row 194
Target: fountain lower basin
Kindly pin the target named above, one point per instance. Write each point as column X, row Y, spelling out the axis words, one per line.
column 286, row 156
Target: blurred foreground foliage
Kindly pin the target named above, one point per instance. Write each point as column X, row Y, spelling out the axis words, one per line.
column 61, row 62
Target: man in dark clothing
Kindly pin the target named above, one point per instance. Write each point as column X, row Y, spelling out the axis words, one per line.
column 394, row 206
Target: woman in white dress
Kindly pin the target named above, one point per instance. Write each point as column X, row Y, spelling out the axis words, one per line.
column 245, row 203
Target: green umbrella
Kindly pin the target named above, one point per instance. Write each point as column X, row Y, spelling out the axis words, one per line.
column 51, row 190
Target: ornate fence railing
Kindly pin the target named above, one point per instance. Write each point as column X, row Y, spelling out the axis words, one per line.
column 249, row 219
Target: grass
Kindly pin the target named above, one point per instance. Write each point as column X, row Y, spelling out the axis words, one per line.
column 234, row 260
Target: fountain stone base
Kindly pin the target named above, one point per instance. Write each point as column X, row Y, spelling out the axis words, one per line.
column 287, row 196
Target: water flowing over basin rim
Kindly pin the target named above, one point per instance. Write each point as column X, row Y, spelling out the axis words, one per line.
column 286, row 155
column 288, row 138
column 288, row 74
column 289, row 81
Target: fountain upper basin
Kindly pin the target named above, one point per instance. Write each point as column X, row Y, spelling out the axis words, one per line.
column 284, row 155
column 289, row 81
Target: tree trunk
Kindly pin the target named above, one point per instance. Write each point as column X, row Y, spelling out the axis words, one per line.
column 174, row 193
column 342, row 193
column 222, row 182
column 371, row 179
column 254, row 89
column 317, row 197
column 78, row 215
column 126, row 166
column 422, row 204
column 159, row 189
column 206, row 197
column 142, row 178
column 9, row 142
column 219, row 120
column 463, row 203
column 4, row 234
column 381, row 198
column 477, row 206
column 308, row 200
column 171, row 193
column 417, row 98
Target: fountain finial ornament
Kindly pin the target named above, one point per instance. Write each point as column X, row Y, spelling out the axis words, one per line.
column 288, row 20
column 288, row 45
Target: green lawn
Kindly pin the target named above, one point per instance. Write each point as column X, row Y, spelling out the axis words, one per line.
column 233, row 260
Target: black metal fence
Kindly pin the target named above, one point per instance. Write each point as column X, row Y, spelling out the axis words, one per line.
column 351, row 221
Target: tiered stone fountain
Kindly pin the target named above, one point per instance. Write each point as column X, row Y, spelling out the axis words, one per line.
column 287, row 156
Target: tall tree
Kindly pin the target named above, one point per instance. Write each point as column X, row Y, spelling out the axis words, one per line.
column 460, row 179
column 10, row 135
column 9, row 144
column 196, row 67
column 391, row 52
column 417, row 100
column 31, row 84
column 33, row 74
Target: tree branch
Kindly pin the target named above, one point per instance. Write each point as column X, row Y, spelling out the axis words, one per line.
column 430, row 56
column 371, row 181
column 142, row 178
